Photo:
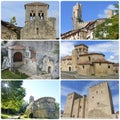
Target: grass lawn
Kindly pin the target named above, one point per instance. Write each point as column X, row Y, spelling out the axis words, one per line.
column 6, row 74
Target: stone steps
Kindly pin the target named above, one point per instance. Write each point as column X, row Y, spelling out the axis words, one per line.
column 29, row 69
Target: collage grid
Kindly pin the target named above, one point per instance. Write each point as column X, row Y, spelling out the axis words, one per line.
column 54, row 64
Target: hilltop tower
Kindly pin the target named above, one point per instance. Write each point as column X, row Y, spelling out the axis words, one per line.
column 77, row 14
column 109, row 13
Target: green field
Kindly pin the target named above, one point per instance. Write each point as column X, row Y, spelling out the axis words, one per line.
column 6, row 74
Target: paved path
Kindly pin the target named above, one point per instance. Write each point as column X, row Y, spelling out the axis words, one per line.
column 74, row 75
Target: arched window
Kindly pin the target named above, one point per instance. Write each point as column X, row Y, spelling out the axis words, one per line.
column 41, row 15
column 32, row 15
column 69, row 68
column 89, row 58
column 37, row 31
column 49, row 69
column 17, row 57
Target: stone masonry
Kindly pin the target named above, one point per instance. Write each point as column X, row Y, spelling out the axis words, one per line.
column 98, row 103
column 85, row 63
column 37, row 23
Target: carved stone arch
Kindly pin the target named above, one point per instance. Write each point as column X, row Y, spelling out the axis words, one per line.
column 17, row 57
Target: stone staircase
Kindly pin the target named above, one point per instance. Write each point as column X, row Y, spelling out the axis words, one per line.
column 29, row 68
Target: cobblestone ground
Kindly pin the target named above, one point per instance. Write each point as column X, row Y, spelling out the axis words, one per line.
column 74, row 75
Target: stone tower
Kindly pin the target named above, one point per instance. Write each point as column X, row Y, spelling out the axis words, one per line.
column 77, row 14
column 79, row 50
column 37, row 23
column 36, row 10
column 100, row 101
column 109, row 13
column 68, row 110
column 31, row 99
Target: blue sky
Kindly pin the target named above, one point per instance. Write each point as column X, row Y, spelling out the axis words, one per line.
column 10, row 9
column 41, row 88
column 91, row 10
column 81, row 87
column 109, row 48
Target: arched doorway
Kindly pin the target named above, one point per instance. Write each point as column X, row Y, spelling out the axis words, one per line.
column 69, row 68
column 31, row 115
column 49, row 69
column 17, row 57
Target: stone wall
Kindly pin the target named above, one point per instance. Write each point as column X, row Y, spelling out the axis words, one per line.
column 39, row 29
column 98, row 103
column 103, row 69
column 84, row 69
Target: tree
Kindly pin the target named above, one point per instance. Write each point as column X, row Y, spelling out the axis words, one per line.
column 13, row 20
column 116, row 11
column 12, row 94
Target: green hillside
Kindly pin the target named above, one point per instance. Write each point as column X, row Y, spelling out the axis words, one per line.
column 109, row 29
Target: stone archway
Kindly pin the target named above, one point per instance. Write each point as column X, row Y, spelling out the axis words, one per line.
column 69, row 68
column 31, row 115
column 17, row 57
column 49, row 69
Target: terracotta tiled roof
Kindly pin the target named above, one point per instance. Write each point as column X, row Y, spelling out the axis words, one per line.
column 67, row 58
column 71, row 32
column 95, row 61
column 17, row 47
column 81, row 45
column 36, row 4
column 102, row 61
column 92, row 54
column 10, row 26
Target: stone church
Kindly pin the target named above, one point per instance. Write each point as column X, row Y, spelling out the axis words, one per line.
column 42, row 108
column 98, row 104
column 85, row 63
column 37, row 24
column 32, row 58
column 83, row 30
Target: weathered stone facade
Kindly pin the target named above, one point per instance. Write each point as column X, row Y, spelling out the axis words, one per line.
column 42, row 108
column 9, row 31
column 34, row 58
column 98, row 103
column 37, row 24
column 88, row 63
column 83, row 30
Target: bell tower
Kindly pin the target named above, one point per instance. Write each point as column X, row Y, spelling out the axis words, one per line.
column 77, row 14
column 36, row 10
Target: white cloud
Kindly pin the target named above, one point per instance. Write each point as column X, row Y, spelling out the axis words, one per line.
column 66, row 48
column 111, row 47
column 66, row 90
column 104, row 13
